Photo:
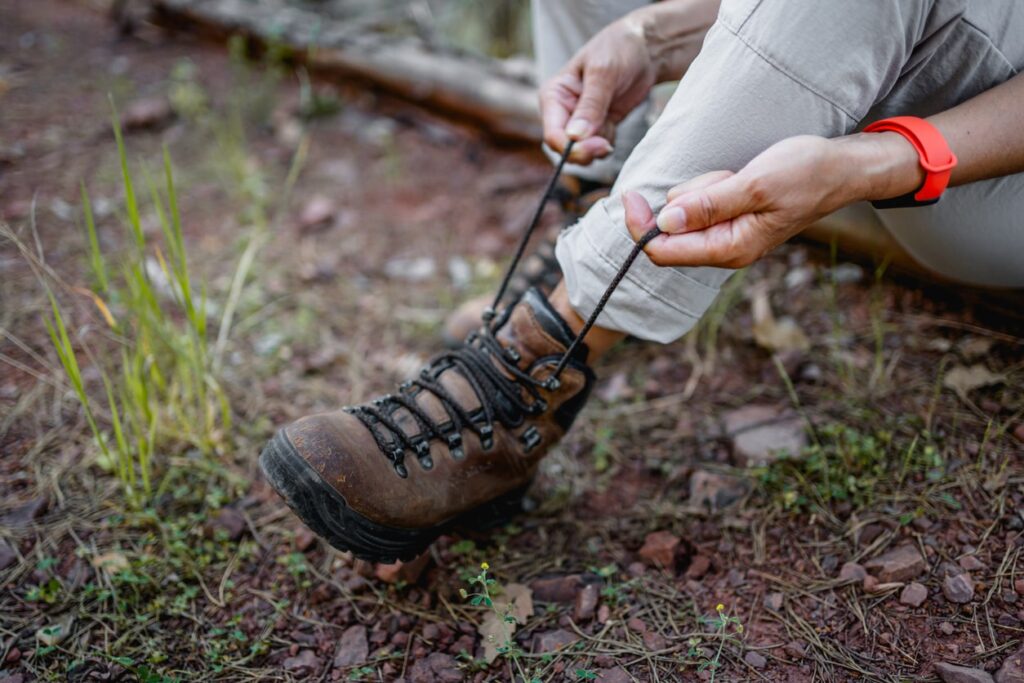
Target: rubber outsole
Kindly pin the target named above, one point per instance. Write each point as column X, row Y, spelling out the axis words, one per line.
column 327, row 514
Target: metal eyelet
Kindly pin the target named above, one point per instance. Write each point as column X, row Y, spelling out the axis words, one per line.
column 401, row 470
column 486, row 437
column 539, row 406
column 552, row 384
column 512, row 354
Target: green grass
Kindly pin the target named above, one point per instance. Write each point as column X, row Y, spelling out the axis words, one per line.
column 159, row 391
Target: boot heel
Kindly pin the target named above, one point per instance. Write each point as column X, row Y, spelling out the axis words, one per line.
column 495, row 513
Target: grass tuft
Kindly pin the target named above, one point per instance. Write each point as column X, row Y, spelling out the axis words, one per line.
column 159, row 387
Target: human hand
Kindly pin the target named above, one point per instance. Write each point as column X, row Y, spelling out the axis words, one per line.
column 731, row 219
column 600, row 85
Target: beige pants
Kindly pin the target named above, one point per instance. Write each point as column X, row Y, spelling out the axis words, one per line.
column 771, row 69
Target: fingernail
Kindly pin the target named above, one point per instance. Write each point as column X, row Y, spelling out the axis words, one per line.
column 577, row 128
column 608, row 147
column 671, row 219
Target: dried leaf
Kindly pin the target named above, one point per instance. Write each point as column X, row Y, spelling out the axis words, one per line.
column 112, row 562
column 769, row 333
column 963, row 379
column 493, row 631
column 516, row 601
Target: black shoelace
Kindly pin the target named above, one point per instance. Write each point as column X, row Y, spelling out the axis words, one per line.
column 500, row 398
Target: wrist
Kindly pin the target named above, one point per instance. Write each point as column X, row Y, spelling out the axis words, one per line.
column 878, row 166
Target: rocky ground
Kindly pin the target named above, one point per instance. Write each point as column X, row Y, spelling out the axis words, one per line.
column 667, row 537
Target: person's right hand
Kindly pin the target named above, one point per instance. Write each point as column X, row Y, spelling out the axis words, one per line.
column 600, row 85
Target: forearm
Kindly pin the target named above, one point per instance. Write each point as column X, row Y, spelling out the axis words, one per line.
column 984, row 132
column 673, row 32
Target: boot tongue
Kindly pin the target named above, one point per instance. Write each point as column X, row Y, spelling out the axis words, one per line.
column 535, row 330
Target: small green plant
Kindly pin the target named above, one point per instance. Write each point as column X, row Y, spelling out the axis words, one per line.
column 506, row 645
column 725, row 628
column 156, row 373
column 614, row 593
column 848, row 464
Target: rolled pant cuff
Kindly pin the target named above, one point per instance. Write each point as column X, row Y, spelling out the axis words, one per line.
column 591, row 253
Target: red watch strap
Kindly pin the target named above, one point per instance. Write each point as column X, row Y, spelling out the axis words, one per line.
column 937, row 159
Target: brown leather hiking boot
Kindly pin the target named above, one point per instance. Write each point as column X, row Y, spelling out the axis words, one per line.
column 457, row 445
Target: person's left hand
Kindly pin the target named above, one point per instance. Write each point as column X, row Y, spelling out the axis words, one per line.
column 731, row 219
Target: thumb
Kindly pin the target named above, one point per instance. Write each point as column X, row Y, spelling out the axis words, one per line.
column 639, row 216
column 706, row 206
column 592, row 108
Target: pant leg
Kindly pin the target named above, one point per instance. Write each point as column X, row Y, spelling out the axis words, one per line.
column 770, row 70
column 560, row 28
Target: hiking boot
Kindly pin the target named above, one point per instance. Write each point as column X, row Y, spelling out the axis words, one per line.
column 540, row 268
column 457, row 446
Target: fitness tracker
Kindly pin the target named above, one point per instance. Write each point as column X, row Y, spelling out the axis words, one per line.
column 937, row 159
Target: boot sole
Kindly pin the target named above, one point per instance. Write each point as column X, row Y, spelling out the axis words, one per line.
column 327, row 514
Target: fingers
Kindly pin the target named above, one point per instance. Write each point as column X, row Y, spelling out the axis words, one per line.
column 639, row 216
column 717, row 202
column 558, row 98
column 592, row 109
column 726, row 245
column 585, row 151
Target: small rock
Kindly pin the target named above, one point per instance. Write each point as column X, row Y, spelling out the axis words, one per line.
column 147, row 113
column 900, row 564
column 229, row 522
column 614, row 675
column 755, row 659
column 26, row 513
column 304, row 539
column 318, row 213
column 550, row 641
column 1012, row 670
column 654, row 641
column 1018, row 432
column 14, row 678
column 7, row 555
column 699, row 566
column 636, row 624
column 436, row 668
column 1018, row 586
column 852, row 571
column 409, row 572
column 947, row 628
column 604, row 613
column 773, row 601
column 410, row 269
column 714, row 491
column 586, row 602
column 353, row 647
column 796, row 649
column 958, row 588
column 659, row 549
column 914, row 594
column 869, row 584
column 560, row 589
column 951, row 673
column 970, row 563
column 762, row 434
column 303, row 664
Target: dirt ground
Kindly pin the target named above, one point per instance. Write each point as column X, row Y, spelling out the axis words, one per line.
column 666, row 540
